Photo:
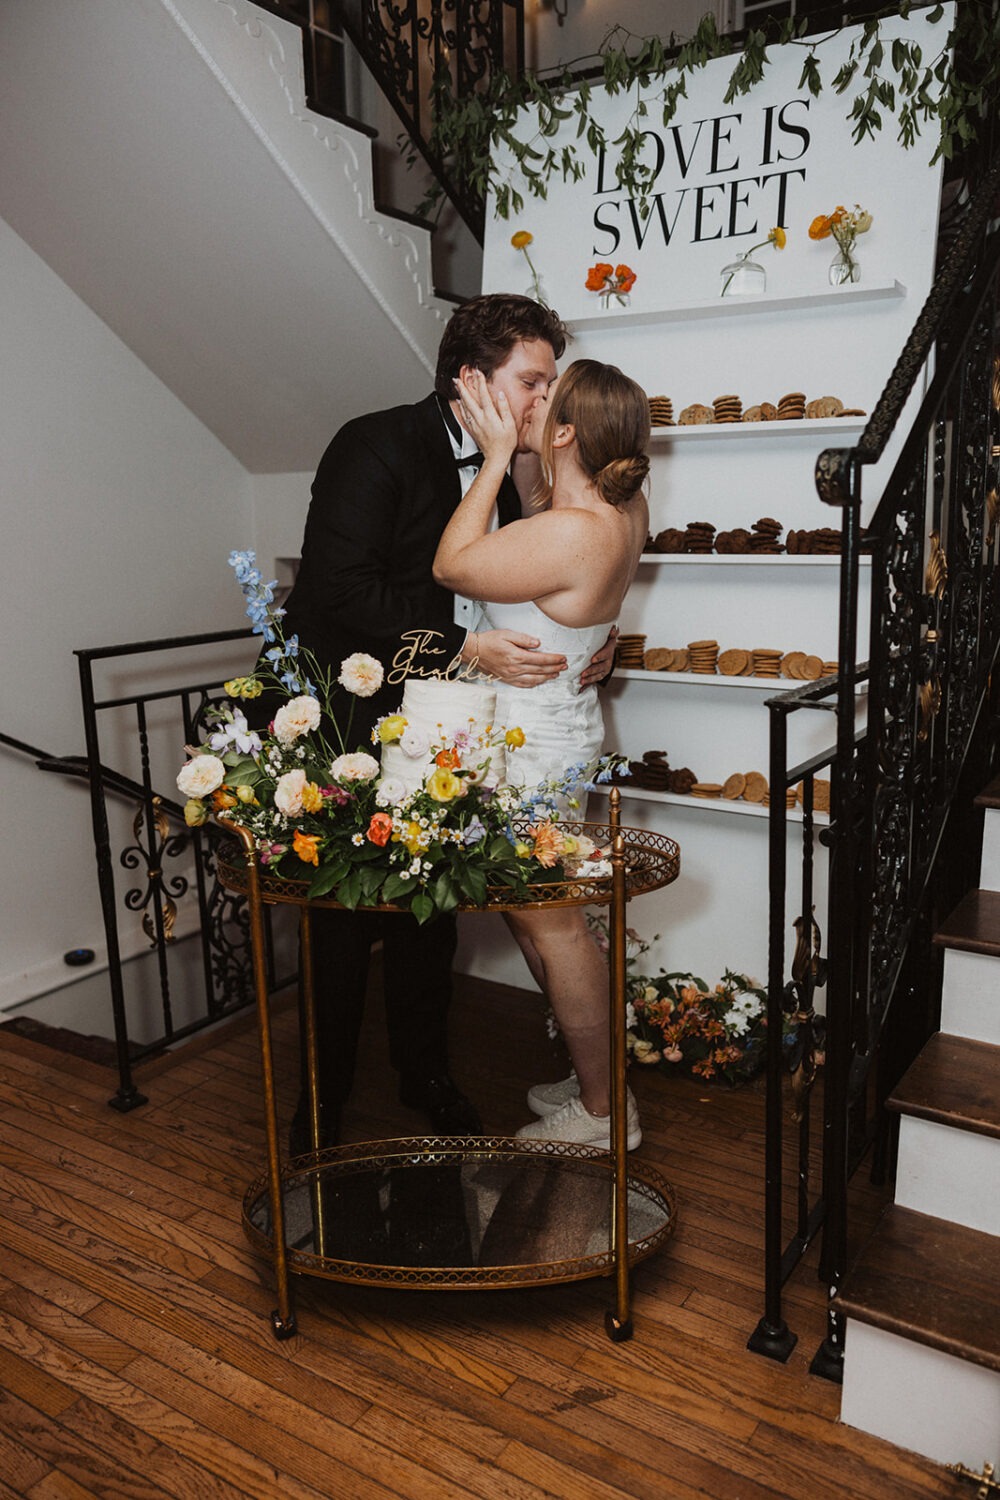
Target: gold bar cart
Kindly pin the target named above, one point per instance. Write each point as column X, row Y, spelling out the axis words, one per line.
column 492, row 1211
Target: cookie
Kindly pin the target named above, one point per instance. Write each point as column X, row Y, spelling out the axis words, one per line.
column 696, row 415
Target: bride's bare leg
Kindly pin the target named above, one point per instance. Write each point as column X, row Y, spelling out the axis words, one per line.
column 529, row 952
column 574, row 977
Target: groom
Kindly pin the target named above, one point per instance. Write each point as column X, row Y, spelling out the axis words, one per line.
column 383, row 493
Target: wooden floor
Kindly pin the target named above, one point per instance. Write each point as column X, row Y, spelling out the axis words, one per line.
column 137, row 1359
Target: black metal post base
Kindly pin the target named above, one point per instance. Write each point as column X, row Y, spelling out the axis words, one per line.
column 283, row 1328
column 126, row 1100
column 618, row 1330
column 828, row 1361
column 774, row 1341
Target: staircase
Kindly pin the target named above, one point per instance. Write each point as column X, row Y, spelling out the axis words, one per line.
column 922, row 1303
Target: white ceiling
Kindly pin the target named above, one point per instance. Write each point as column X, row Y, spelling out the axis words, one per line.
column 126, row 166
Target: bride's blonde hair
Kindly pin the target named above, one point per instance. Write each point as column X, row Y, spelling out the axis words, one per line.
column 610, row 414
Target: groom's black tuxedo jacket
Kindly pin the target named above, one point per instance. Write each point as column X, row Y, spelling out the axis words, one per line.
column 383, row 494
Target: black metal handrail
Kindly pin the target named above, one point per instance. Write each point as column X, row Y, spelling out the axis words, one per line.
column 901, row 781
column 159, row 835
column 415, row 50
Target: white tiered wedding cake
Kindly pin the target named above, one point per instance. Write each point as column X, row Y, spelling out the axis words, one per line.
column 442, row 714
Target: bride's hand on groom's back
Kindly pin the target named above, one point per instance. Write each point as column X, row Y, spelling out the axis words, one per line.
column 513, row 657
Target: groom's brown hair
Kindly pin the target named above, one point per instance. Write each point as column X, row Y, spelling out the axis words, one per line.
column 483, row 331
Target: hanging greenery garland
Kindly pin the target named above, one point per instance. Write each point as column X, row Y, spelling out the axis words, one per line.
column 950, row 96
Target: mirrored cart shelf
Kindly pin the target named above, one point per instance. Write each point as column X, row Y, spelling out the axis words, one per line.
column 808, row 427
column 749, row 559
column 728, row 307
column 706, row 804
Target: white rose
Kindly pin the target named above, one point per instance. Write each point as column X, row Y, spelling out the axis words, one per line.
column 288, row 793
column 356, row 767
column 201, row 775
column 390, row 792
column 414, row 743
column 361, row 675
column 296, row 718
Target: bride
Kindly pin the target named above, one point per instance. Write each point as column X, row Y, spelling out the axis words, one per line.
column 561, row 576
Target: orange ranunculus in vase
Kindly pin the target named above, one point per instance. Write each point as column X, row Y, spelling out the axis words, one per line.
column 611, row 281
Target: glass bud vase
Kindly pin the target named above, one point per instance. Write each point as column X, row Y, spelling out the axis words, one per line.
column 845, row 269
column 743, row 278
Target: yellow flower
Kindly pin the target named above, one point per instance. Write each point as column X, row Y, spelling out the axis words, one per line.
column 243, row 687
column 778, row 238
column 523, row 851
column 306, row 846
column 514, row 738
column 195, row 812
column 312, row 798
column 247, row 796
column 413, row 836
column 522, row 239
column 443, row 785
column 390, row 728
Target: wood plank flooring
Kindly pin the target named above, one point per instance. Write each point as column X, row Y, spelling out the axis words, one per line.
column 137, row 1359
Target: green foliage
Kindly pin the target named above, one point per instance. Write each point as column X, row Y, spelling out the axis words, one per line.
column 884, row 81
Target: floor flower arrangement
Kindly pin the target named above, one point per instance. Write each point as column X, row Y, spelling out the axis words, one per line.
column 322, row 812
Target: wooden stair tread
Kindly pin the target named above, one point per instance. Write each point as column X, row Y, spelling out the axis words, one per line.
column 974, row 925
column 954, row 1081
column 931, row 1281
column 990, row 795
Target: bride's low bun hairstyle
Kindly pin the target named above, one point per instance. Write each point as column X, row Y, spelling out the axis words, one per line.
column 610, row 415
column 622, row 478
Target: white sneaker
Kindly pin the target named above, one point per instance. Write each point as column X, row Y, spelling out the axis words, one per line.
column 546, row 1098
column 576, row 1124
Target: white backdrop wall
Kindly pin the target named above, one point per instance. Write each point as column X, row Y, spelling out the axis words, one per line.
column 119, row 509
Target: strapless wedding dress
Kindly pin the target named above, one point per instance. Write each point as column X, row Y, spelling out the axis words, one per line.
column 562, row 725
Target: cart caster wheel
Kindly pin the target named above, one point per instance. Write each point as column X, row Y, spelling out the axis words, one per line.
column 283, row 1328
column 618, row 1331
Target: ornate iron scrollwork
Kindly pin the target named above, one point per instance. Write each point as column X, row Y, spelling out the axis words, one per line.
column 158, row 898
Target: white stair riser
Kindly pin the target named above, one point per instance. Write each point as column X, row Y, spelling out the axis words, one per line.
column 949, row 1173
column 989, row 872
column 970, row 998
column 920, row 1398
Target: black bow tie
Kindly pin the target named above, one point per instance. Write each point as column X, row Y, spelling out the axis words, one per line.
column 475, row 460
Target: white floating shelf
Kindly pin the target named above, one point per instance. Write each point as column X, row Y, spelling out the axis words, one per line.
column 804, row 427
column 725, row 307
column 708, row 804
column 750, row 559
column 711, row 679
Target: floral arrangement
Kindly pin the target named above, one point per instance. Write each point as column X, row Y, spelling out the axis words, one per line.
column 706, row 1033
column 778, row 238
column 521, row 240
column 322, row 812
column 611, row 281
column 675, row 1021
column 845, row 228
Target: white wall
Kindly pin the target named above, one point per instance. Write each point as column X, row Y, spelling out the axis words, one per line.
column 119, row 509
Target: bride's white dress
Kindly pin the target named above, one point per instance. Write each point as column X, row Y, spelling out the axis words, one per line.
column 562, row 725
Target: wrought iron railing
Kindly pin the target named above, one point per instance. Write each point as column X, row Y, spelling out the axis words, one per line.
column 158, row 838
column 415, row 50
column 902, row 784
